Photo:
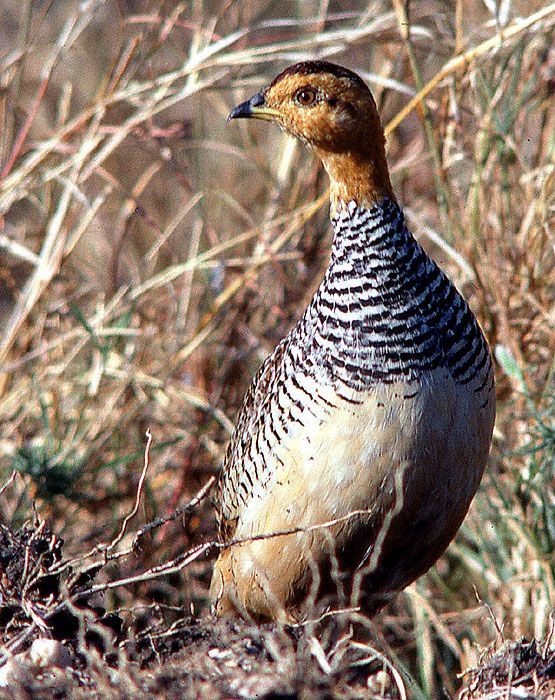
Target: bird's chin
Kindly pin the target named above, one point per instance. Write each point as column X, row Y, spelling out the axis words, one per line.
column 266, row 115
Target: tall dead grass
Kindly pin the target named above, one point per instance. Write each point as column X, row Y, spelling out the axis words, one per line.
column 152, row 256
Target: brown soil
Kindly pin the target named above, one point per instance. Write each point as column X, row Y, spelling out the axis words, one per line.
column 42, row 596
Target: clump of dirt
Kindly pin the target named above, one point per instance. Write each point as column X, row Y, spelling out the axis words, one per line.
column 26, row 558
column 217, row 659
column 233, row 659
column 525, row 665
column 44, row 596
column 37, row 589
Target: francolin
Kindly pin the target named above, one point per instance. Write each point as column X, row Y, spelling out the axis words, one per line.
column 364, row 435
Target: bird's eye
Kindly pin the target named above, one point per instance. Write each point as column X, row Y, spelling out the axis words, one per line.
column 306, row 97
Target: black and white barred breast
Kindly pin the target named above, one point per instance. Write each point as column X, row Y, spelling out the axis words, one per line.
column 384, row 314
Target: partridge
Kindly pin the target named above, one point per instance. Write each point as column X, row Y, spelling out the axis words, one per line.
column 364, row 435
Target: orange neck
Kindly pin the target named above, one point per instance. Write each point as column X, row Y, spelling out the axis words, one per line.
column 357, row 176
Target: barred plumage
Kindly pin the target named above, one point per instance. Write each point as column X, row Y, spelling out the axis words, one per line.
column 384, row 386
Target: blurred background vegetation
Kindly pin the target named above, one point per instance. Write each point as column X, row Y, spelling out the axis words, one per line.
column 151, row 256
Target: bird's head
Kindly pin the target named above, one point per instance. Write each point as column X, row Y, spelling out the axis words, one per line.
column 331, row 109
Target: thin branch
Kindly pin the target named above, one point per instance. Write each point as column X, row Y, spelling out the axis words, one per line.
column 178, row 512
column 140, row 485
column 9, row 482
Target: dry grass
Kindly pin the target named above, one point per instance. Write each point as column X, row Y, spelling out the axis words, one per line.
column 151, row 256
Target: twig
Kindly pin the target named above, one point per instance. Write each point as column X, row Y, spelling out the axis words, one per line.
column 113, row 556
column 133, row 512
column 18, row 250
column 9, row 482
column 324, row 616
column 185, row 508
column 20, row 140
column 319, row 654
column 386, row 662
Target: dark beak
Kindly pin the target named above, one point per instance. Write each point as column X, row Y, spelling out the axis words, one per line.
column 253, row 109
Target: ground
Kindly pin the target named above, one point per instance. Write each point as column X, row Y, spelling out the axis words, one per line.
column 97, row 654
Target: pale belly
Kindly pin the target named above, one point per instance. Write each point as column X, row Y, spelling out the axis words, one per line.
column 378, row 488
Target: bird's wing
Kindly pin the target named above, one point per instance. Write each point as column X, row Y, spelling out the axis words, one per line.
column 239, row 472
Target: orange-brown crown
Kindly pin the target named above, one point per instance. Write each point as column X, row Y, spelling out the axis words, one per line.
column 331, row 109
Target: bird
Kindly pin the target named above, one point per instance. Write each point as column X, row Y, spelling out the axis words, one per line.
column 363, row 437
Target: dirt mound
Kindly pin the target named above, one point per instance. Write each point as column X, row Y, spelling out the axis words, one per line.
column 43, row 599
column 523, row 665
